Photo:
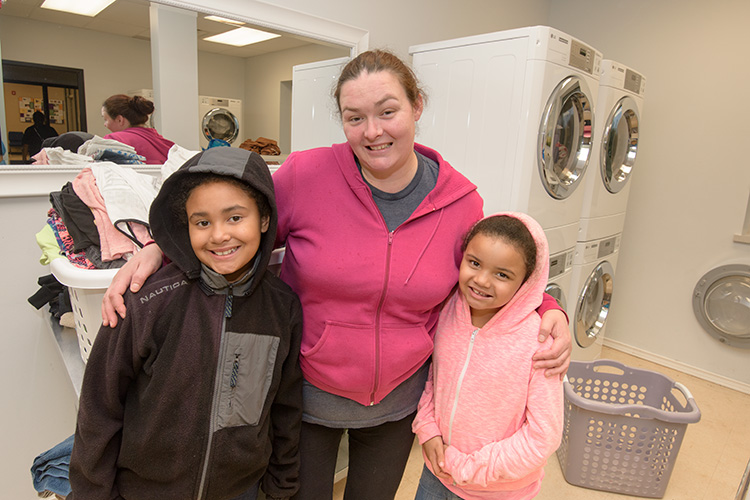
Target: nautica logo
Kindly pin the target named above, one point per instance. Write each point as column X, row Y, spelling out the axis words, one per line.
column 165, row 288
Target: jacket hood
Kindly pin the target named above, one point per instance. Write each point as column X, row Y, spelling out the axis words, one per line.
column 529, row 296
column 168, row 225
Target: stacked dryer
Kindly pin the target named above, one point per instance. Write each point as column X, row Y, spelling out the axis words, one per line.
column 605, row 196
column 513, row 111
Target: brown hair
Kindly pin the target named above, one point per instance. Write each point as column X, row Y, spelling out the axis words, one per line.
column 510, row 230
column 133, row 109
column 374, row 61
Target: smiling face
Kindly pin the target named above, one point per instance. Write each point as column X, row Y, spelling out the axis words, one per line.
column 379, row 123
column 491, row 273
column 225, row 227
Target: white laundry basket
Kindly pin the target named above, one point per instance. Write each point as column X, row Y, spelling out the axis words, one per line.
column 86, row 288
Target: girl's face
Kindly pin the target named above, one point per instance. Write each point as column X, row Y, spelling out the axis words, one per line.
column 379, row 124
column 491, row 273
column 115, row 124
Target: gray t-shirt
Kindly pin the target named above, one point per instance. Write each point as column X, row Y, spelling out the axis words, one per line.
column 397, row 207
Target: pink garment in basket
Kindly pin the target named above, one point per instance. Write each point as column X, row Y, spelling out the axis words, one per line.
column 114, row 244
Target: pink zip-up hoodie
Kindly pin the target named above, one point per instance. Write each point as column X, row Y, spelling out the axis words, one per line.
column 500, row 418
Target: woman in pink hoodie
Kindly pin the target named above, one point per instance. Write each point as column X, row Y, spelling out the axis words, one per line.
column 487, row 420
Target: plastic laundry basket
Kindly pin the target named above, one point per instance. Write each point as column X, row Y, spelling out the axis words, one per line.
column 623, row 427
column 86, row 288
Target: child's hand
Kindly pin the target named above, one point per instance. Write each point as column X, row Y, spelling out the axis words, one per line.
column 434, row 450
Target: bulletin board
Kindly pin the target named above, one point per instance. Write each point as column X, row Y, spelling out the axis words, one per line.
column 56, row 111
column 27, row 106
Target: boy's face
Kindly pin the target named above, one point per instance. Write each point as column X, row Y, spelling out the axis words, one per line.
column 225, row 227
column 491, row 273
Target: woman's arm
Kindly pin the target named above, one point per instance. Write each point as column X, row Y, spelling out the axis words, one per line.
column 132, row 275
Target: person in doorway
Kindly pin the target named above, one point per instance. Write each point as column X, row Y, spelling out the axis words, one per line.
column 198, row 393
column 34, row 136
column 372, row 229
column 126, row 117
column 488, row 421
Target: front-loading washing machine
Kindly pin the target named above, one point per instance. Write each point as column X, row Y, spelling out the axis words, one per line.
column 514, row 112
column 592, row 284
column 606, row 187
column 220, row 118
column 721, row 303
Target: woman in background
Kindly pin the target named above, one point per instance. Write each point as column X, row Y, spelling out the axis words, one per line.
column 126, row 117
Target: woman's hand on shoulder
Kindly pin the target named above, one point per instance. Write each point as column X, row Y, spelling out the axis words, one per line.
column 556, row 359
column 132, row 275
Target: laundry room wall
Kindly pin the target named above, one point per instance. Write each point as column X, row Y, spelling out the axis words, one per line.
column 690, row 186
column 263, row 76
column 395, row 24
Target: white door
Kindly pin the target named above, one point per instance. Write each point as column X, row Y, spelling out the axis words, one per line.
column 315, row 117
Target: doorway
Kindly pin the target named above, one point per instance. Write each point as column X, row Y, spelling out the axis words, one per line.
column 55, row 91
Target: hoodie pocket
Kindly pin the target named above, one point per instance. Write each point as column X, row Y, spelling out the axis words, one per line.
column 348, row 356
column 246, row 376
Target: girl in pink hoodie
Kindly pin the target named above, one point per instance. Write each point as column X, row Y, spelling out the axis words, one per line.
column 487, row 421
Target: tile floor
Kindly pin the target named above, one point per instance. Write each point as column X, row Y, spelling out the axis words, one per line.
column 709, row 465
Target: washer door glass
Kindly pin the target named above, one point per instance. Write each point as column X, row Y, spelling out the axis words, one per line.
column 721, row 302
column 619, row 145
column 593, row 304
column 557, row 293
column 220, row 123
column 565, row 137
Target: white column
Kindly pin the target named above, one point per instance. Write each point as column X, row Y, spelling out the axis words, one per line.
column 174, row 60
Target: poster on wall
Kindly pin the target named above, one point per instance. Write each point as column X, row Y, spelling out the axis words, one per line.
column 56, row 111
column 26, row 108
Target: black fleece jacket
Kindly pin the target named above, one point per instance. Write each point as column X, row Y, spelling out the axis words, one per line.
column 197, row 391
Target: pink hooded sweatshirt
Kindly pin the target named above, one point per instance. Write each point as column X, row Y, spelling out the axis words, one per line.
column 500, row 418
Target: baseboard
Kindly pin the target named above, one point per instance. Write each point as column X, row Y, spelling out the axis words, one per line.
column 677, row 365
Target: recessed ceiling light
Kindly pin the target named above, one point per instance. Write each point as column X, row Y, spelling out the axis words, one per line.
column 241, row 36
column 88, row 8
column 224, row 20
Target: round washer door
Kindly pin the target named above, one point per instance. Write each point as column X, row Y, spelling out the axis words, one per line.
column 558, row 294
column 619, row 144
column 565, row 137
column 593, row 303
column 220, row 123
column 721, row 302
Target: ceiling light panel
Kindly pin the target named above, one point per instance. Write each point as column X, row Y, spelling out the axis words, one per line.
column 83, row 8
column 241, row 36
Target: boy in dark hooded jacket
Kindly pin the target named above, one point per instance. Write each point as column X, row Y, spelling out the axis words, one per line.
column 197, row 393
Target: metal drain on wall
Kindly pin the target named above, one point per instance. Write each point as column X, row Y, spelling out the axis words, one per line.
column 721, row 302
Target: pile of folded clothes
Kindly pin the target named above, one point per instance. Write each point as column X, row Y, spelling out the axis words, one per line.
column 262, row 146
column 60, row 151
